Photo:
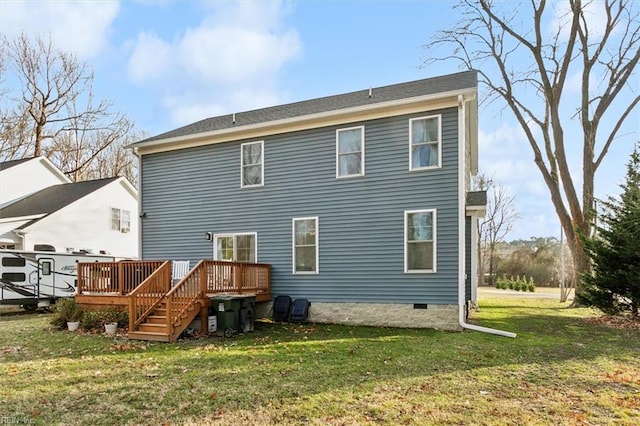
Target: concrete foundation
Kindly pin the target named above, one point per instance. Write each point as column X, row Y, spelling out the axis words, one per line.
column 439, row 317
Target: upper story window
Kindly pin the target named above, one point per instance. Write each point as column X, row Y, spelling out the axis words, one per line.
column 236, row 247
column 252, row 169
column 425, row 136
column 305, row 245
column 350, row 152
column 120, row 220
column 420, row 241
column 115, row 219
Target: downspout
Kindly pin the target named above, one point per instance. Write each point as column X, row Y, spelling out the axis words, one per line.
column 462, row 304
column 23, row 236
column 141, row 215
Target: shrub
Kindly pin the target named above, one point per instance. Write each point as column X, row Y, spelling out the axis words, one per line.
column 91, row 320
column 66, row 310
column 97, row 319
column 115, row 315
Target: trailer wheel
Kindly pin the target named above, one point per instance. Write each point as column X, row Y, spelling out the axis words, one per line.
column 30, row 308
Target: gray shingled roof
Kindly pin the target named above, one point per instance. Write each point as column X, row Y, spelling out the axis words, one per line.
column 477, row 198
column 428, row 86
column 52, row 199
column 8, row 164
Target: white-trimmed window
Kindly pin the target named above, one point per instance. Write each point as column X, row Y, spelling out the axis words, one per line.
column 425, row 135
column 236, row 247
column 305, row 245
column 125, row 221
column 420, row 241
column 120, row 220
column 350, row 152
column 115, row 219
column 252, row 164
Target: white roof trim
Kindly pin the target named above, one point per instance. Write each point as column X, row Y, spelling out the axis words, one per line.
column 48, row 164
column 22, row 218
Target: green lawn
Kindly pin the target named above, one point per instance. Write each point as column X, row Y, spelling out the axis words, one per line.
column 561, row 369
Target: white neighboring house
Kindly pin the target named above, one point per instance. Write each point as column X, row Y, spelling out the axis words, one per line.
column 96, row 216
column 19, row 178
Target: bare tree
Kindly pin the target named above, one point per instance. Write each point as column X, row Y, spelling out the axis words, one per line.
column 87, row 137
column 520, row 61
column 54, row 112
column 499, row 220
column 116, row 160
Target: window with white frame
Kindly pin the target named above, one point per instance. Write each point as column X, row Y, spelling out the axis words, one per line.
column 350, row 152
column 252, row 164
column 305, row 245
column 115, row 219
column 236, row 247
column 424, row 142
column 420, row 241
column 125, row 221
column 120, row 220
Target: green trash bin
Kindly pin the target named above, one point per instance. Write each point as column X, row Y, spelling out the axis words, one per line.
column 227, row 310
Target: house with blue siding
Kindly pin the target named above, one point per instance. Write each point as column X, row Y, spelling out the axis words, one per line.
column 360, row 202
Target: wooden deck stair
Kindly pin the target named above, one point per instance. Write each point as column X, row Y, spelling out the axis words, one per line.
column 156, row 326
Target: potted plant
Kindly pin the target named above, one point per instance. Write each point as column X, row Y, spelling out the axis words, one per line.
column 110, row 319
column 68, row 313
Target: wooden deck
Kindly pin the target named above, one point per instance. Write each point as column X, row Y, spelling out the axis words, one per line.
column 159, row 307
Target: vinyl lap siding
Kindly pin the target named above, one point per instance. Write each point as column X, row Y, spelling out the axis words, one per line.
column 189, row 192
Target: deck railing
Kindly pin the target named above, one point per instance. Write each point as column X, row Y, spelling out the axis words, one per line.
column 148, row 295
column 118, row 278
column 237, row 277
column 148, row 284
column 184, row 298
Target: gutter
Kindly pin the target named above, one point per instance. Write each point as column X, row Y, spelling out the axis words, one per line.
column 462, row 304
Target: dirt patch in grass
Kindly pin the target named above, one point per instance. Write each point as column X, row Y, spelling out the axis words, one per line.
column 616, row 321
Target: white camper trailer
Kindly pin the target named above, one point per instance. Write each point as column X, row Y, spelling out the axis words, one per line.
column 37, row 279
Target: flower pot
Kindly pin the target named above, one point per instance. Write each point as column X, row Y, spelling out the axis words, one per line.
column 73, row 325
column 110, row 328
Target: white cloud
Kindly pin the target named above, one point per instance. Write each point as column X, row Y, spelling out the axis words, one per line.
column 593, row 12
column 79, row 27
column 235, row 54
column 150, row 58
column 229, row 62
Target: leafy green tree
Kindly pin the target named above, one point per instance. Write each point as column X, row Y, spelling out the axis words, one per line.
column 614, row 285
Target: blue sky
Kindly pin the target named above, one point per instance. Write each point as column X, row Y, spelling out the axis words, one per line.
column 169, row 63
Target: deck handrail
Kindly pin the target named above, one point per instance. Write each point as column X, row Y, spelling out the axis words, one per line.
column 184, row 297
column 114, row 277
column 237, row 277
column 146, row 297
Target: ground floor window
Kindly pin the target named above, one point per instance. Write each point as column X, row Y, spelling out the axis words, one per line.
column 420, row 241
column 305, row 245
column 236, row 247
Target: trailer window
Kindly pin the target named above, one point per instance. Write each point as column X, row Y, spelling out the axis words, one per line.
column 46, row 268
column 14, row 261
column 16, row 277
